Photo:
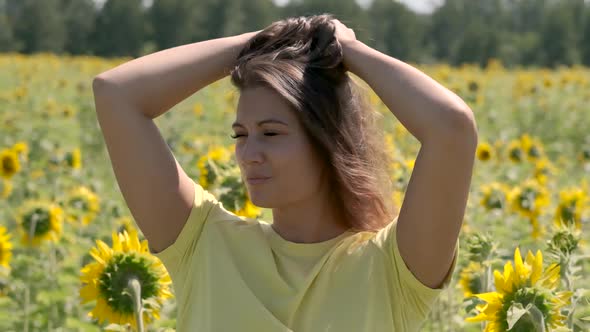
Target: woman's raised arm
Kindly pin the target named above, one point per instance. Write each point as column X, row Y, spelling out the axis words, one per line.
column 433, row 209
column 127, row 98
column 156, row 82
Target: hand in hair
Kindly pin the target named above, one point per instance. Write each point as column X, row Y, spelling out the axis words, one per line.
column 343, row 33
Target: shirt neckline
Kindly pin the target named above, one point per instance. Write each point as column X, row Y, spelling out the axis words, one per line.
column 300, row 249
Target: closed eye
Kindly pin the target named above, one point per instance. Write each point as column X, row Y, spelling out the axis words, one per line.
column 266, row 134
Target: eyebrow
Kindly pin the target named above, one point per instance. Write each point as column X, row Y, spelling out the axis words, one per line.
column 237, row 124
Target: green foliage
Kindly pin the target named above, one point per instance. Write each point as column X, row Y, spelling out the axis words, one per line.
column 120, row 28
column 520, row 32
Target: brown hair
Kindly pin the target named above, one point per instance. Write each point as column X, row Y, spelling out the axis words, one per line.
column 301, row 59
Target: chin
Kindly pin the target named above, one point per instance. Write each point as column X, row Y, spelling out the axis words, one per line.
column 260, row 200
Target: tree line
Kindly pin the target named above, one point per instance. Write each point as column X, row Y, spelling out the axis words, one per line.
column 517, row 32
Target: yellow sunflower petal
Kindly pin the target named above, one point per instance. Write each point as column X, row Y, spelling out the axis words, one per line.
column 490, row 297
column 550, row 277
column 479, row 318
column 537, row 265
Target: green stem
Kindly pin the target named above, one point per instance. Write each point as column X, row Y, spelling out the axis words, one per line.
column 135, row 288
column 27, row 296
column 27, row 287
column 569, row 286
column 53, row 273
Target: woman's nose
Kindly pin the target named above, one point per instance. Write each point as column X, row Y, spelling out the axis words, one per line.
column 251, row 151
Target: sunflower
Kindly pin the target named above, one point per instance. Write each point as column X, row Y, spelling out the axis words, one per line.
column 83, row 205
column 522, row 285
column 532, row 147
column 484, row 151
column 105, row 280
column 9, row 163
column 515, row 151
column 41, row 218
column 564, row 242
column 73, row 158
column 471, row 280
column 5, row 248
column 529, row 200
column 480, row 247
column 572, row 203
column 210, row 164
column 494, row 196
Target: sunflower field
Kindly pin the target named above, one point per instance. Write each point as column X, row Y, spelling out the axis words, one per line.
column 72, row 258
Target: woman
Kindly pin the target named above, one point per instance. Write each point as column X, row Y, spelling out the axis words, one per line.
column 335, row 258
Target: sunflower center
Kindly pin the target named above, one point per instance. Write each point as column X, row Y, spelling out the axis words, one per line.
column 495, row 199
column 8, row 165
column 484, row 154
column 79, row 203
column 41, row 216
column 113, row 282
column 516, row 154
column 534, row 151
column 475, row 283
column 527, row 199
column 567, row 213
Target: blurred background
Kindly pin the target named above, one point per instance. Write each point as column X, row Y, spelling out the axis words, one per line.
column 517, row 32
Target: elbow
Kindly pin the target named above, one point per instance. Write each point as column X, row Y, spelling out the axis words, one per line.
column 458, row 125
column 463, row 125
column 100, row 85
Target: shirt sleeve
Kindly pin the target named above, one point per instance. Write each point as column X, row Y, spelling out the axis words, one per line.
column 177, row 258
column 417, row 298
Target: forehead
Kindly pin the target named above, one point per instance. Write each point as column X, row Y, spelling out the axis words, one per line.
column 259, row 103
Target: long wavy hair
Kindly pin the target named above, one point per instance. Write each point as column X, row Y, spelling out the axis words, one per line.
column 301, row 59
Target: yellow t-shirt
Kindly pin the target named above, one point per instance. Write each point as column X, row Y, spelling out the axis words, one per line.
column 231, row 273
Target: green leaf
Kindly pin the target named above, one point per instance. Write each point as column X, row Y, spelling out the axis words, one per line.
column 531, row 314
column 537, row 318
column 515, row 312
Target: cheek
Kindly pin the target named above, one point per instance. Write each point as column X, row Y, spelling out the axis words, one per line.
column 297, row 166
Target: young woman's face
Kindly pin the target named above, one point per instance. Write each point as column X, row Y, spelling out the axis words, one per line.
column 272, row 143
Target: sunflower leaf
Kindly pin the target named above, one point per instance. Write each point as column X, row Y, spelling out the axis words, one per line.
column 515, row 312
column 531, row 316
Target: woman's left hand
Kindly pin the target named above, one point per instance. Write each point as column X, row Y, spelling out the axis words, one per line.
column 343, row 33
column 346, row 38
